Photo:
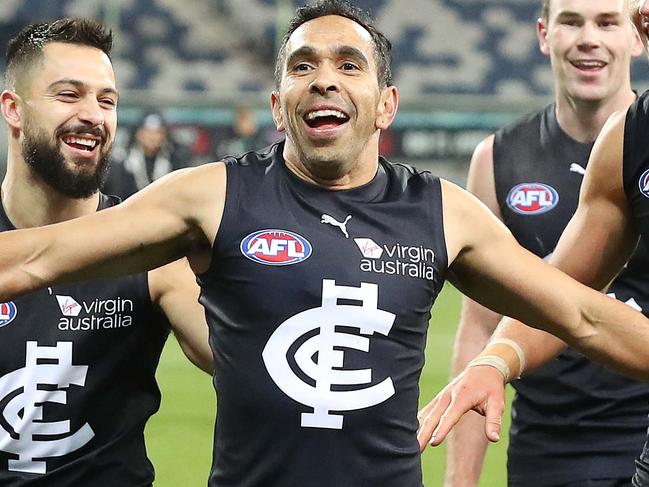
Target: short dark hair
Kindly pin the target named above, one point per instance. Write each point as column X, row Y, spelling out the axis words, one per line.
column 24, row 50
column 342, row 8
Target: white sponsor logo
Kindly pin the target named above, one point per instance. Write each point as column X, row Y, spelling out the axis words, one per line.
column 328, row 370
column 397, row 259
column 369, row 248
column 68, row 305
column 98, row 314
column 330, row 220
column 574, row 167
column 47, row 373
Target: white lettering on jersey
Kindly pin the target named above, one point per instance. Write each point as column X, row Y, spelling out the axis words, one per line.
column 45, row 368
column 326, row 372
column 528, row 198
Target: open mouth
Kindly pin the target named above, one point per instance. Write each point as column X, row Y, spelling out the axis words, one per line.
column 80, row 143
column 325, row 119
column 589, row 64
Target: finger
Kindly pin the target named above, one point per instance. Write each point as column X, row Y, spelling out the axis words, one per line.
column 423, row 412
column 427, row 418
column 446, row 419
column 493, row 419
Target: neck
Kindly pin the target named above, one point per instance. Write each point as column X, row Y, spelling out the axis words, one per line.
column 30, row 202
column 361, row 170
column 583, row 120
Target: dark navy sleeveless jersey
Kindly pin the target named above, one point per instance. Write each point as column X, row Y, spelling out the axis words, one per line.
column 572, row 419
column 77, row 383
column 318, row 304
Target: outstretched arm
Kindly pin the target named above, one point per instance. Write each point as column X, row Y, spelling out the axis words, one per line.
column 594, row 247
column 174, row 217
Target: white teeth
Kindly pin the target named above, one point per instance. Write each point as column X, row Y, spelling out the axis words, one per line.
column 81, row 141
column 589, row 64
column 325, row 113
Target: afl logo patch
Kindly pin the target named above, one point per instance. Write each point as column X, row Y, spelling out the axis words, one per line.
column 8, row 312
column 644, row 184
column 532, row 198
column 276, row 247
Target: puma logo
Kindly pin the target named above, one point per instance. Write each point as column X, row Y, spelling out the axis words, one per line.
column 332, row 221
column 574, row 167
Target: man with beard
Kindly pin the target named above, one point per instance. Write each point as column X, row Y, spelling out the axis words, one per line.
column 319, row 262
column 78, row 361
column 611, row 217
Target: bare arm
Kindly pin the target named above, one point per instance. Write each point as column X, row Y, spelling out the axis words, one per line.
column 174, row 217
column 593, row 248
column 597, row 242
column 174, row 289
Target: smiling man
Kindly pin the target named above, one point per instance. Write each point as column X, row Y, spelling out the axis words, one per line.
column 573, row 422
column 595, row 246
column 78, row 361
column 317, row 354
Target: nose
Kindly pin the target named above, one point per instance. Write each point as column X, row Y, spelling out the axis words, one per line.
column 325, row 79
column 588, row 36
column 91, row 112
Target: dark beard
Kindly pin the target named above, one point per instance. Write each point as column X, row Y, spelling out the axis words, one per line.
column 45, row 159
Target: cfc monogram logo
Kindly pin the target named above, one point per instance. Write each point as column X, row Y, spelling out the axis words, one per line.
column 47, row 372
column 326, row 372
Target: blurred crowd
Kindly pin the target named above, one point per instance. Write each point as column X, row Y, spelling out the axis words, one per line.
column 154, row 148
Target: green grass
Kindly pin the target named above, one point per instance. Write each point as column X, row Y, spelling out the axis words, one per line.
column 179, row 437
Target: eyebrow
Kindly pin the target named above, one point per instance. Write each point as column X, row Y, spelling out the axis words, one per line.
column 568, row 13
column 306, row 52
column 79, row 85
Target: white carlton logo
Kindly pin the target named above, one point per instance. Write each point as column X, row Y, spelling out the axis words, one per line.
column 366, row 317
column 47, row 372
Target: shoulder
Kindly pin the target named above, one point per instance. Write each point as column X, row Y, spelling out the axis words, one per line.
column 467, row 220
column 407, row 173
column 256, row 158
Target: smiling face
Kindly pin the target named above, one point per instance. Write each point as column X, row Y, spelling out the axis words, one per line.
column 590, row 44
column 69, row 117
column 329, row 101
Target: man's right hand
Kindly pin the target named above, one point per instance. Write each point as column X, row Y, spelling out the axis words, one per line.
column 479, row 388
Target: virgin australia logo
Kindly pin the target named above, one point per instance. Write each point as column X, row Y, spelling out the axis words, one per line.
column 403, row 260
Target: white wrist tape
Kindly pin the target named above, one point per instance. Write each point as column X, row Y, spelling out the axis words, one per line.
column 492, row 361
column 517, row 348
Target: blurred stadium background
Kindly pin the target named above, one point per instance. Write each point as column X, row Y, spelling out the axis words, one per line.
column 463, row 68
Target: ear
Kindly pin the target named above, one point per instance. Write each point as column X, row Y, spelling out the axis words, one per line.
column 637, row 46
column 387, row 109
column 10, row 102
column 276, row 108
column 542, row 34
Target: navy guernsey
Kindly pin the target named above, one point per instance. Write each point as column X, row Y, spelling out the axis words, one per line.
column 77, row 382
column 318, row 304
